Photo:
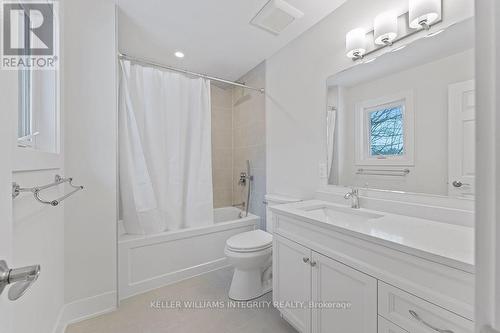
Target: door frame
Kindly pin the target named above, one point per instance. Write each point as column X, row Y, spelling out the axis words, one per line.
column 487, row 300
column 7, row 139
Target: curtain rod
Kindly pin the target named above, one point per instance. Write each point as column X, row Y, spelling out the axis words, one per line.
column 174, row 69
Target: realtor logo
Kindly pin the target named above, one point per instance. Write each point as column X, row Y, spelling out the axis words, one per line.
column 28, row 35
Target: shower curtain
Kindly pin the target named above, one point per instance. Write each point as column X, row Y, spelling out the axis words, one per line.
column 331, row 125
column 165, row 150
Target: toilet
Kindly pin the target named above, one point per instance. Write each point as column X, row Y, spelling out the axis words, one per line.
column 250, row 253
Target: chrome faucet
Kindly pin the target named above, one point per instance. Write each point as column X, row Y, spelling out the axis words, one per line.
column 354, row 196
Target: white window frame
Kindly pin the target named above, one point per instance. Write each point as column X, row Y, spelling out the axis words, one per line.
column 362, row 129
column 26, row 156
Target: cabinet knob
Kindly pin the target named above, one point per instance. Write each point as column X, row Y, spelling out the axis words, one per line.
column 313, row 263
column 305, row 260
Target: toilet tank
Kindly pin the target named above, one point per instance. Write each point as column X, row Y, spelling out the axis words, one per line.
column 273, row 200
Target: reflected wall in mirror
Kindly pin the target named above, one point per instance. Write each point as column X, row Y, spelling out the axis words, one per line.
column 406, row 121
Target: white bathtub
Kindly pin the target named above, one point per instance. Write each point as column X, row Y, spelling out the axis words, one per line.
column 149, row 262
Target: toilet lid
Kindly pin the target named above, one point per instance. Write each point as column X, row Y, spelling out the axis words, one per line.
column 250, row 241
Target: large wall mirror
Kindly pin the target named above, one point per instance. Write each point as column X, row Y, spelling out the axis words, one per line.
column 406, row 120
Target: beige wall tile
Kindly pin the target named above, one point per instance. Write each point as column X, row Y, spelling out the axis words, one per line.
column 222, row 198
column 221, row 97
column 222, row 158
column 222, row 179
column 222, row 146
column 249, row 140
column 222, row 138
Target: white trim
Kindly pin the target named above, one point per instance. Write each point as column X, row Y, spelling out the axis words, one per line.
column 29, row 159
column 84, row 309
column 487, row 305
column 132, row 289
column 361, row 129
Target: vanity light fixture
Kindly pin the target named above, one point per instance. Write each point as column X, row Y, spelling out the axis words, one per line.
column 386, row 28
column 355, row 41
column 421, row 16
column 423, row 13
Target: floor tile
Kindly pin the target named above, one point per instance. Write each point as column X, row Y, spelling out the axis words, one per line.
column 137, row 315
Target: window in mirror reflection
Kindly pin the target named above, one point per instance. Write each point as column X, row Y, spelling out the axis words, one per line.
column 386, row 132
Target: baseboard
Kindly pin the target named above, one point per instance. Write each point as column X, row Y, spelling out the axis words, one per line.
column 131, row 289
column 84, row 309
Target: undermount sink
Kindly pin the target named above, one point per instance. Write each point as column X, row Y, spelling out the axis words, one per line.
column 330, row 214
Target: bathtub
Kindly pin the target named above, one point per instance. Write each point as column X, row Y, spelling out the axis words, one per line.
column 153, row 261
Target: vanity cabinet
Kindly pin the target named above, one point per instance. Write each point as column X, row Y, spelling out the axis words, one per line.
column 354, row 295
column 333, row 297
column 416, row 314
column 292, row 281
column 389, row 291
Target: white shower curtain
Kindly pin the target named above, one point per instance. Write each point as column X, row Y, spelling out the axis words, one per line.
column 165, row 150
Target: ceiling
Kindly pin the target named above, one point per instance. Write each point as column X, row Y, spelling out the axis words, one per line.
column 215, row 35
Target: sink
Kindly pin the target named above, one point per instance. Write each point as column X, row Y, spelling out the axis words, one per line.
column 335, row 214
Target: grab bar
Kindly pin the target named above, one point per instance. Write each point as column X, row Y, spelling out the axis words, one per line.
column 383, row 172
column 17, row 189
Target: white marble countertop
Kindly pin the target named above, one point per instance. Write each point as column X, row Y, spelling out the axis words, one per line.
column 447, row 244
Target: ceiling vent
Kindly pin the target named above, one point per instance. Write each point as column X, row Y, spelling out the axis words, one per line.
column 275, row 16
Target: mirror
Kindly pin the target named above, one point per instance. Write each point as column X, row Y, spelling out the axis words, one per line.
column 406, row 120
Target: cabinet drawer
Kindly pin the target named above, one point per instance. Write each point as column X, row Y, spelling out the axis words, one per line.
column 385, row 326
column 417, row 315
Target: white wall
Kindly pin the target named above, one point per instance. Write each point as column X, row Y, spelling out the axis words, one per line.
column 429, row 86
column 38, row 232
column 296, row 92
column 91, row 154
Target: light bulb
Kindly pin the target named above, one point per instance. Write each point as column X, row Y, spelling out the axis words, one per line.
column 423, row 13
column 355, row 41
column 386, row 28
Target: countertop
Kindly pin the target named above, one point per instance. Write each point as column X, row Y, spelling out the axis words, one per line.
column 447, row 244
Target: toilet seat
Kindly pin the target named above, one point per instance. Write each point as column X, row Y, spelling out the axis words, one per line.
column 250, row 241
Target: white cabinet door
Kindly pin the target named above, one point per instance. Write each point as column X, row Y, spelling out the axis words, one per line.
column 344, row 299
column 292, row 282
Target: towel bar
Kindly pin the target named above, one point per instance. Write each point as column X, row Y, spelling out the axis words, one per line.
column 17, row 189
column 383, row 172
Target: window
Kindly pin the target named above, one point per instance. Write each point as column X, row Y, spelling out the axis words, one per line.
column 38, row 114
column 385, row 131
column 25, row 124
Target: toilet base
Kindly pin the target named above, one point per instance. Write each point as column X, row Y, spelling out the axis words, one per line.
column 248, row 285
